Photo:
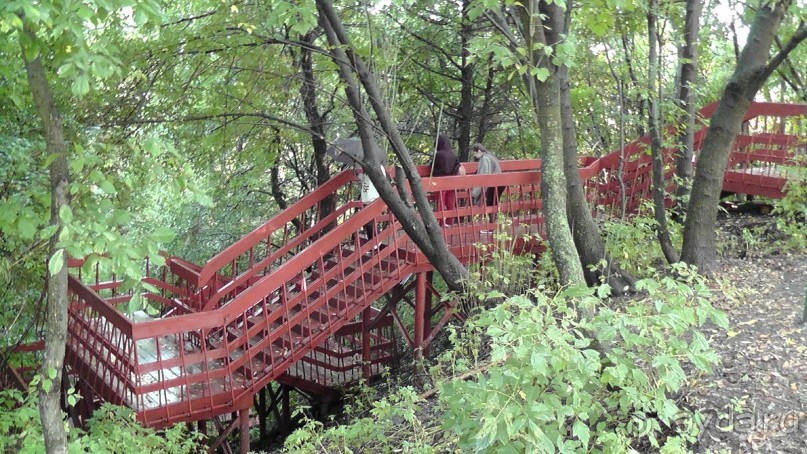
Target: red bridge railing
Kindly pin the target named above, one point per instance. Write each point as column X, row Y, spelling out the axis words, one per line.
column 292, row 300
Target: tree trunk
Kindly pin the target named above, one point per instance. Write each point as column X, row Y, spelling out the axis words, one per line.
column 418, row 222
column 486, row 100
column 466, row 107
column 50, row 412
column 639, row 103
column 587, row 240
column 545, row 96
column 686, row 100
column 316, row 121
column 751, row 72
column 653, row 99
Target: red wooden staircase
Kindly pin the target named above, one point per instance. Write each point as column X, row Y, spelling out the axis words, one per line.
column 293, row 301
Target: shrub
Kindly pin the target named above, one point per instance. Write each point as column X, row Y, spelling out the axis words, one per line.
column 111, row 429
column 552, row 386
column 634, row 245
column 792, row 208
column 392, row 421
column 501, row 273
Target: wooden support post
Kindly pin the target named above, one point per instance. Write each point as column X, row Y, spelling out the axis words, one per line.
column 221, row 440
column 243, row 416
column 201, row 426
column 286, row 423
column 366, row 319
column 262, row 412
column 420, row 314
column 427, row 314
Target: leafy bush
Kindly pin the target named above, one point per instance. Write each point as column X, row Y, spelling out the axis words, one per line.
column 111, row 429
column 392, row 421
column 792, row 208
column 553, row 385
column 634, row 244
column 501, row 273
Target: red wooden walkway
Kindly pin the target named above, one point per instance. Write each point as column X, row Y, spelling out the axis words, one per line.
column 293, row 301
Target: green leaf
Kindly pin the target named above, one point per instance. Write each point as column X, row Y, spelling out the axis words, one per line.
column 84, row 13
column 66, row 214
column 56, row 262
column 157, row 260
column 134, row 303
column 577, row 291
column 108, row 187
column 81, row 86
column 582, row 432
column 49, row 160
column 542, row 74
column 163, row 235
column 48, row 232
column 26, row 228
column 52, row 373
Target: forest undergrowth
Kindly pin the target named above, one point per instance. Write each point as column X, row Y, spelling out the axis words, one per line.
column 686, row 364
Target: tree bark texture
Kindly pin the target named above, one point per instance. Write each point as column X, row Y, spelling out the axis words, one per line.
column 586, row 235
column 545, row 96
column 653, row 99
column 686, row 99
column 699, row 231
column 466, row 107
column 316, row 121
column 50, row 411
column 419, row 221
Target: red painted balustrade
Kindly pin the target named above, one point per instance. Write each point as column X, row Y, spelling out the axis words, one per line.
column 292, row 301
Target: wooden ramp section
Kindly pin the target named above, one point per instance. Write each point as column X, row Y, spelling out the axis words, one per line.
column 293, row 301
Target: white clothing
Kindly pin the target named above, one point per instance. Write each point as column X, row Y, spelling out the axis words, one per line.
column 368, row 191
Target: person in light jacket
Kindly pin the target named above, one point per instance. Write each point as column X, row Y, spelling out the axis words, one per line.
column 488, row 164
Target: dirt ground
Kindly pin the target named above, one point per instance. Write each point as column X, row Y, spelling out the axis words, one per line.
column 756, row 400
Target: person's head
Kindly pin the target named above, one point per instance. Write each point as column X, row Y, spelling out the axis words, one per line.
column 443, row 143
column 478, row 150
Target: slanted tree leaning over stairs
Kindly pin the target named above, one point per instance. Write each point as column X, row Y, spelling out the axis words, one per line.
column 418, row 221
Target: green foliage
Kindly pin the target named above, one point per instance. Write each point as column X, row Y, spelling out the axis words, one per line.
column 111, row 429
column 553, row 381
column 551, row 386
column 20, row 430
column 113, row 186
column 392, row 422
column 24, row 213
column 500, row 273
column 77, row 47
column 792, row 208
column 635, row 245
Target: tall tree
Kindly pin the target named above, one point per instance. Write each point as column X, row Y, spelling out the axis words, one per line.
column 419, row 223
column 653, row 100
column 688, row 64
column 541, row 76
column 587, row 240
column 752, row 70
column 61, row 55
column 50, row 411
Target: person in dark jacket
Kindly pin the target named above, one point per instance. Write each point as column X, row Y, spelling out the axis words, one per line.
column 446, row 163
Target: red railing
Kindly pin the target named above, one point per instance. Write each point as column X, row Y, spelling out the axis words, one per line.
column 194, row 365
column 291, row 301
